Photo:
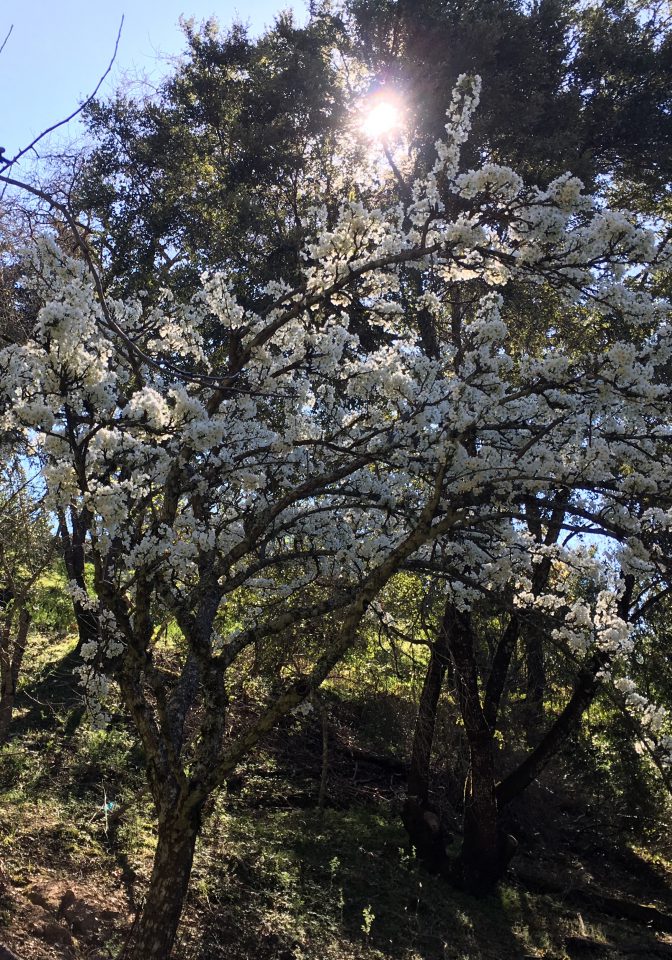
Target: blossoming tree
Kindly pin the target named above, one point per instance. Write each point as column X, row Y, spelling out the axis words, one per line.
column 295, row 466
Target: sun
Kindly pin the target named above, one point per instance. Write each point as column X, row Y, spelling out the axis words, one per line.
column 381, row 115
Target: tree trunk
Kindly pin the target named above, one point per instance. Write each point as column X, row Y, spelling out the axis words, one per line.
column 486, row 850
column 587, row 684
column 478, row 859
column 558, row 733
column 421, row 820
column 534, row 640
column 75, row 565
column 423, row 736
column 11, row 658
column 168, row 885
column 536, row 684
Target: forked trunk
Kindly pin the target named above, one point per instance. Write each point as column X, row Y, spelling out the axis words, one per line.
column 75, row 565
column 485, row 851
column 157, row 928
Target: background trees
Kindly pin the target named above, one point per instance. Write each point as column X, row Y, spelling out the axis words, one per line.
column 26, row 548
column 215, row 170
column 565, row 81
column 218, row 164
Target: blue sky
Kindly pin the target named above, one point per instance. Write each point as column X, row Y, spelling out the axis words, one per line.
column 58, row 50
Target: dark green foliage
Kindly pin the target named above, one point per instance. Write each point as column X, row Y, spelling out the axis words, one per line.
column 18, row 304
column 566, row 86
column 211, row 172
column 520, row 51
column 623, row 67
column 217, row 169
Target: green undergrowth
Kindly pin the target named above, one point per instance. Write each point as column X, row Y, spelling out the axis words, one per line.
column 274, row 878
column 297, row 884
column 304, row 885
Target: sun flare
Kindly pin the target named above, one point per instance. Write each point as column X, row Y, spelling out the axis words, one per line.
column 381, row 116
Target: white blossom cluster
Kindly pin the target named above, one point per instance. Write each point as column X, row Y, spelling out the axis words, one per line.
column 652, row 719
column 306, row 464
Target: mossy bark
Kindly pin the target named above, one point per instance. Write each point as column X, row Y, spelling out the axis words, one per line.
column 157, row 929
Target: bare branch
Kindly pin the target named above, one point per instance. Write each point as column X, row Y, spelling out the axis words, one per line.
column 61, row 123
column 4, row 42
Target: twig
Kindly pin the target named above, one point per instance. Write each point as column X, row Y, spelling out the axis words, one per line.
column 9, row 163
column 4, row 42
